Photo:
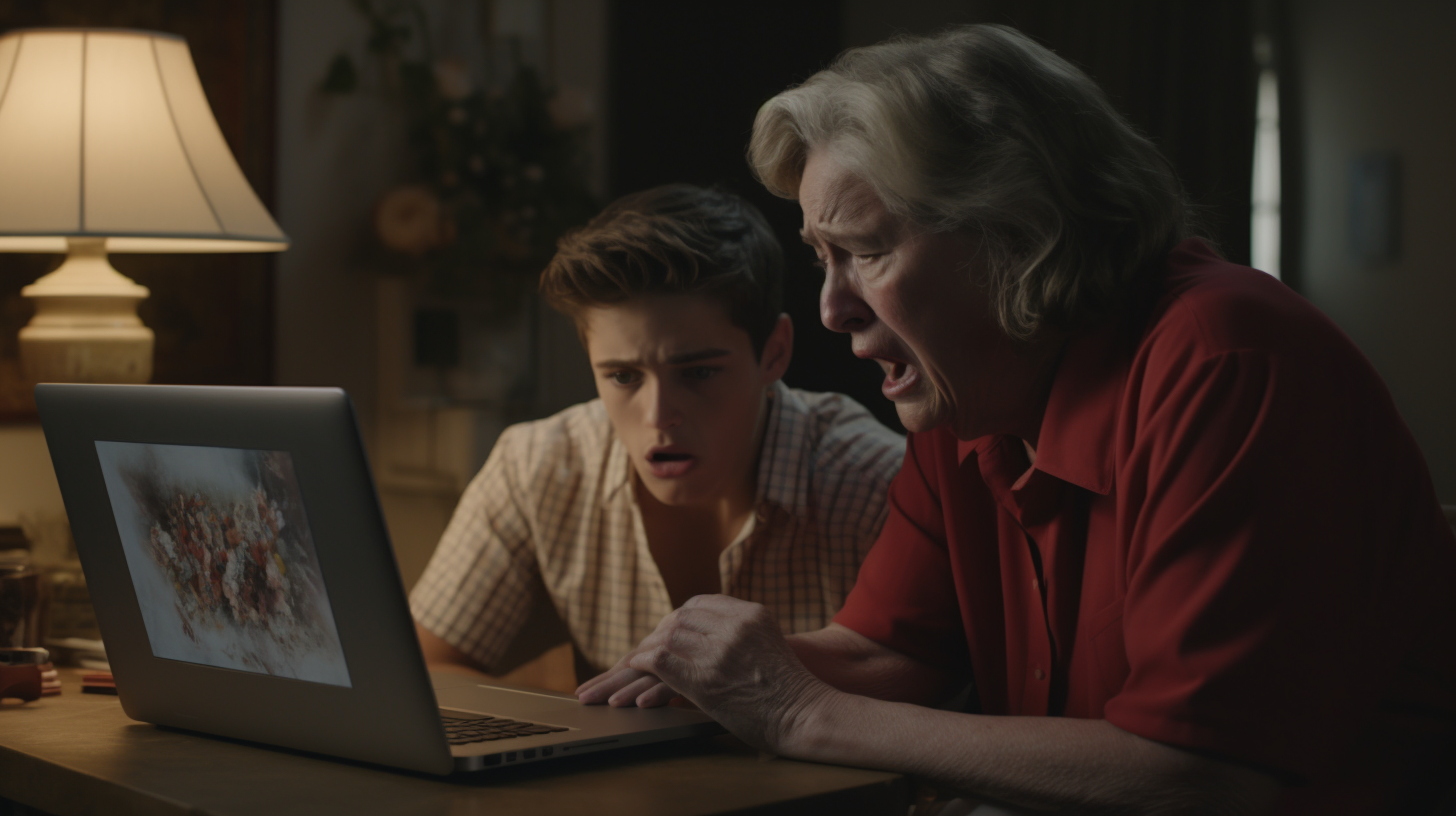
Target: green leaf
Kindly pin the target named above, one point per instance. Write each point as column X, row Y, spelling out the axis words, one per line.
column 342, row 77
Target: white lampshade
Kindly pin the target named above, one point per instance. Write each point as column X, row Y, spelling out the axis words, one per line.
column 106, row 133
column 107, row 144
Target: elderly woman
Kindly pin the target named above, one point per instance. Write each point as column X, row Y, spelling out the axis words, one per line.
column 1156, row 506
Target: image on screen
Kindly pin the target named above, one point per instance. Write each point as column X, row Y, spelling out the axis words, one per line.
column 222, row 559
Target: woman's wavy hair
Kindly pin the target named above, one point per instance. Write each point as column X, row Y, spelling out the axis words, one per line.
column 673, row 239
column 980, row 129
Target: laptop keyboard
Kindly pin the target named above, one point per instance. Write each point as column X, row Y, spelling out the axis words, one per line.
column 465, row 730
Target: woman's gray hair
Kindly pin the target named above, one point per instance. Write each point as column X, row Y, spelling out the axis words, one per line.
column 980, row 129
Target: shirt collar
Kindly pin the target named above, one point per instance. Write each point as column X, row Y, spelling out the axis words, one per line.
column 783, row 461
column 1075, row 444
column 618, row 467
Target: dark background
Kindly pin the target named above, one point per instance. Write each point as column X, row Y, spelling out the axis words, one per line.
column 687, row 79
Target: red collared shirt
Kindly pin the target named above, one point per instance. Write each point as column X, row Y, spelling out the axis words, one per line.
column 1229, row 543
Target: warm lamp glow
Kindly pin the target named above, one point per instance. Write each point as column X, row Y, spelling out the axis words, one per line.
column 107, row 144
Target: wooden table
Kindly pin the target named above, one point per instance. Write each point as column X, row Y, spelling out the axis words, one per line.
column 79, row 754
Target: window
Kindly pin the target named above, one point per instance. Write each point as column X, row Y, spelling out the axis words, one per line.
column 1265, row 225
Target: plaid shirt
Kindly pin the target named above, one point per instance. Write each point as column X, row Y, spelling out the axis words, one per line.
column 553, row 511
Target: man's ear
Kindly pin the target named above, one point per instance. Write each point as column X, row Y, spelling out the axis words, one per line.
column 778, row 350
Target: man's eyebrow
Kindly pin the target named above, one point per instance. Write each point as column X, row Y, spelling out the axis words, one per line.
column 617, row 364
column 696, row 356
column 676, row 359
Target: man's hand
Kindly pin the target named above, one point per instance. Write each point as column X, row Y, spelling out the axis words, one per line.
column 730, row 659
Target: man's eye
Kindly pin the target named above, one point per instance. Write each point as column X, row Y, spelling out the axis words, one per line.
column 623, row 377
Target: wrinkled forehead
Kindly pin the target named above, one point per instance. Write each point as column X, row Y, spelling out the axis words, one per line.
column 831, row 194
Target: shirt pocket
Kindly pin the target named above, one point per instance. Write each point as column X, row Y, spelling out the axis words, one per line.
column 1109, row 656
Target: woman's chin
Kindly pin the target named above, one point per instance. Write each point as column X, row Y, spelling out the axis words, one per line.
column 922, row 412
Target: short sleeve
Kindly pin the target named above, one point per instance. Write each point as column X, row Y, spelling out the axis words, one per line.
column 1263, row 534
column 905, row 597
column 477, row 591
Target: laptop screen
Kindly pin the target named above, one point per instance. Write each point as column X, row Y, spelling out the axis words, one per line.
column 222, row 559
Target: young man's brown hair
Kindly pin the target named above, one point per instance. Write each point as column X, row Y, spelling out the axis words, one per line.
column 673, row 239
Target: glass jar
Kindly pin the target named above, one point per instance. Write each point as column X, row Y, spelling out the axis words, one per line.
column 22, row 600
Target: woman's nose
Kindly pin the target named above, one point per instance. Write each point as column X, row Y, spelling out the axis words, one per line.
column 840, row 306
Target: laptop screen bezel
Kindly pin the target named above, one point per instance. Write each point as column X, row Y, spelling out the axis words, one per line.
column 388, row 714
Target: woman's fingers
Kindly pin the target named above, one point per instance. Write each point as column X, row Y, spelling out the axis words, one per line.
column 659, row 695
column 610, row 685
column 599, row 688
column 627, row 695
column 683, row 638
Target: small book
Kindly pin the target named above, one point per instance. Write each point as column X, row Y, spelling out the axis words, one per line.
column 98, row 682
column 50, row 680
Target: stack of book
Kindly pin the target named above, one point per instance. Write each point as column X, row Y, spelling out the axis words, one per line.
column 98, row 682
column 50, row 681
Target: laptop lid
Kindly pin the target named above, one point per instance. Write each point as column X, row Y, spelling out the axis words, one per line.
column 237, row 557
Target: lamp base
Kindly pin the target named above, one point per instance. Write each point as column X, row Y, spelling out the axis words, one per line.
column 86, row 356
column 85, row 327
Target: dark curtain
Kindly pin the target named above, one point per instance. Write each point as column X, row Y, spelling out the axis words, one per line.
column 1183, row 72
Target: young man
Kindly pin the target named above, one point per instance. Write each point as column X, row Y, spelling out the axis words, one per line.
column 696, row 472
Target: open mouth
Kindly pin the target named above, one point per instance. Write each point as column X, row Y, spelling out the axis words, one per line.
column 900, row 377
column 670, row 464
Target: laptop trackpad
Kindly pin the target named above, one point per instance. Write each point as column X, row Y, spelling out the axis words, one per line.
column 501, row 702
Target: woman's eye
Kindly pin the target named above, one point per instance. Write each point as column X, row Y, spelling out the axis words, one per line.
column 623, row 377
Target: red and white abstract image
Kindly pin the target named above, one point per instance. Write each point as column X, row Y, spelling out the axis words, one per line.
column 222, row 559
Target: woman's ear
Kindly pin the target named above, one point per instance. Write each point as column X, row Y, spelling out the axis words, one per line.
column 778, row 350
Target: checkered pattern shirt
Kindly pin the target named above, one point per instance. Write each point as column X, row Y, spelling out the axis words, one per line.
column 553, row 512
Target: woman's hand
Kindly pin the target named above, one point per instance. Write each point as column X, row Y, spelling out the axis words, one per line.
column 730, row 659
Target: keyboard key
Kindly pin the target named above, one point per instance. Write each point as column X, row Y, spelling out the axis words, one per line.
column 467, row 730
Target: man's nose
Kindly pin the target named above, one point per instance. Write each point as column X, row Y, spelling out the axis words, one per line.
column 663, row 411
column 840, row 307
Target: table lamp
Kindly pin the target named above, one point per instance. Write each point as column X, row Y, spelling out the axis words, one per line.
column 107, row 144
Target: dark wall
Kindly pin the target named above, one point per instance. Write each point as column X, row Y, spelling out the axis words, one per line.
column 687, row 79
column 1183, row 72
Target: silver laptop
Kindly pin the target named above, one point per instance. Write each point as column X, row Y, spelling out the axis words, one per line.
column 245, row 586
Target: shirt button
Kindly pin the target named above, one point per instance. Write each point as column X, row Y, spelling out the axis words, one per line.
column 1039, row 674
